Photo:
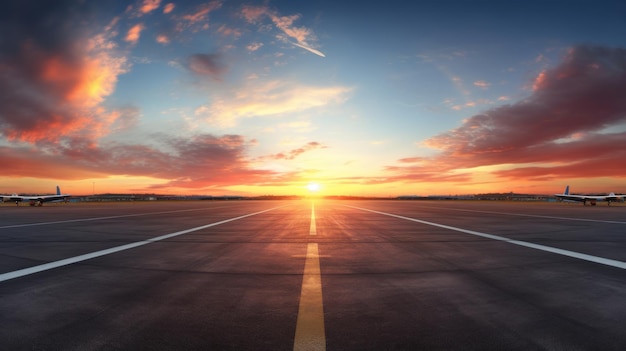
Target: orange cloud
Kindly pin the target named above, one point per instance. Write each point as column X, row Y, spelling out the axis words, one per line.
column 149, row 5
column 168, row 8
column 162, row 39
column 134, row 33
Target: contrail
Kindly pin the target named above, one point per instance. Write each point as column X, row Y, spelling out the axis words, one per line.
column 316, row 52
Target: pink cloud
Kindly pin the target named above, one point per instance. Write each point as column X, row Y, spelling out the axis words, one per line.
column 299, row 151
column 197, row 162
column 26, row 162
column 254, row 46
column 202, row 12
column 227, row 31
column 573, row 97
column 253, row 13
column 560, row 123
column 202, row 161
column 285, row 23
column 482, row 84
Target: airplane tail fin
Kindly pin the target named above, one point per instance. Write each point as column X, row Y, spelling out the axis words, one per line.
column 566, row 192
column 58, row 190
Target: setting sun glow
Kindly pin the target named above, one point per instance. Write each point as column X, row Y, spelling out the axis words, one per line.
column 262, row 98
column 313, row 187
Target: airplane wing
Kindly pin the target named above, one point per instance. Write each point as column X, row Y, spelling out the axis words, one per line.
column 591, row 198
column 37, row 200
column 572, row 197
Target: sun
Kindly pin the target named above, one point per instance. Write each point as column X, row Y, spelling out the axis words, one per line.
column 313, row 187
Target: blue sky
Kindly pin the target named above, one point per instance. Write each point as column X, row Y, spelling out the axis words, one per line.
column 245, row 97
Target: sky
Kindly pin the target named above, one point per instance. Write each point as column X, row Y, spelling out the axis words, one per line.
column 268, row 97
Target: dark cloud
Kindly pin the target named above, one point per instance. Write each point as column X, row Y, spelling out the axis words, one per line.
column 561, row 122
column 207, row 65
column 47, row 63
column 46, row 24
column 585, row 93
column 39, row 30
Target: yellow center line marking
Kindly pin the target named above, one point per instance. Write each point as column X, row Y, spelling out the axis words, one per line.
column 310, row 334
column 313, row 228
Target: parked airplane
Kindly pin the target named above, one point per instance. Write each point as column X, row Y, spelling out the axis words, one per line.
column 591, row 198
column 37, row 200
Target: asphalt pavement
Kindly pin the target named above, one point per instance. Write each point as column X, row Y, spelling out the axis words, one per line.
column 313, row 274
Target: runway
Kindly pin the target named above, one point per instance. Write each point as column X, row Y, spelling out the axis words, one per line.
column 312, row 275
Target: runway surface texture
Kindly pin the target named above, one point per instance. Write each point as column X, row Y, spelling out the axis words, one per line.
column 313, row 275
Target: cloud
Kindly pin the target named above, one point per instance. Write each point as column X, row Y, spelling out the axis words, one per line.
column 201, row 161
column 187, row 21
column 582, row 94
column 134, row 33
column 264, row 99
column 193, row 162
column 162, row 39
column 227, row 31
column 482, row 84
column 254, row 46
column 299, row 151
column 302, row 35
column 149, row 6
column 55, row 74
column 207, row 65
column 26, row 162
column 201, row 13
column 559, row 130
column 610, row 164
column 168, row 8
column 252, row 14
column 316, row 52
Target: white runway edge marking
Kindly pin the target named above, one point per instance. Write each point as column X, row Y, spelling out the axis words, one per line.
column 310, row 334
column 97, row 218
column 535, row 216
column 581, row 256
column 71, row 260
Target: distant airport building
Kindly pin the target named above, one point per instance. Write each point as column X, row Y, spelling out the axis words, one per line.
column 489, row 196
